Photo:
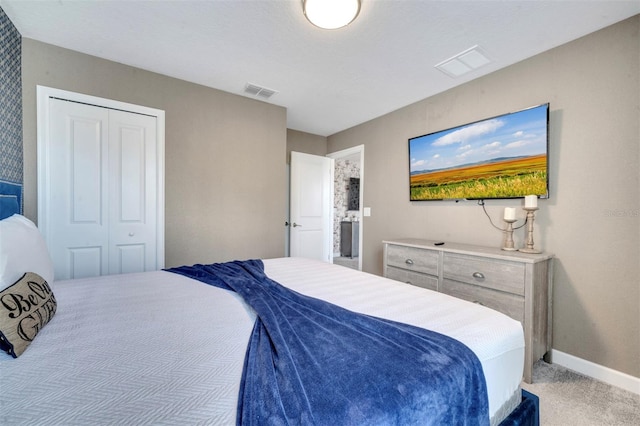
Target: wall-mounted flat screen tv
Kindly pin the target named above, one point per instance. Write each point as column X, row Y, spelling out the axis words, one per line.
column 499, row 157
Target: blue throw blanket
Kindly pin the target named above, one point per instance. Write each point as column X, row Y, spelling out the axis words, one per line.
column 310, row 362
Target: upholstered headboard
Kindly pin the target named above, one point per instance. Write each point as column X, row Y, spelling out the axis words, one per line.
column 10, row 199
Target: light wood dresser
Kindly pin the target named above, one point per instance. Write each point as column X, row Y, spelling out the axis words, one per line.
column 516, row 284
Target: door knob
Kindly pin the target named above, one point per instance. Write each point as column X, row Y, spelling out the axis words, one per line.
column 131, row 234
column 295, row 225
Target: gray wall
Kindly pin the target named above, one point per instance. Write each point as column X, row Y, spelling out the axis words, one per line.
column 305, row 142
column 592, row 220
column 225, row 171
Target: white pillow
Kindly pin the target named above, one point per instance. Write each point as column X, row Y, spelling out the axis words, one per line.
column 22, row 249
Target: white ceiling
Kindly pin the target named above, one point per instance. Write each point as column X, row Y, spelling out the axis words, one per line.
column 329, row 80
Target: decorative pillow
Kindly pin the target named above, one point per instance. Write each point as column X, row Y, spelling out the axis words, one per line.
column 22, row 248
column 25, row 307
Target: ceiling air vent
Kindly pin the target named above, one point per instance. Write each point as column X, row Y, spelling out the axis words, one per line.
column 259, row 91
column 464, row 62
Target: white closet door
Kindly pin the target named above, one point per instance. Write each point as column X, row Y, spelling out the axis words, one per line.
column 132, row 192
column 77, row 188
column 102, row 207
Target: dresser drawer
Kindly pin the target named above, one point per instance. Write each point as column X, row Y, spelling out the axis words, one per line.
column 413, row 278
column 413, row 259
column 509, row 304
column 490, row 273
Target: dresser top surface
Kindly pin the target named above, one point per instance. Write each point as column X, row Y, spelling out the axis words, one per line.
column 469, row 249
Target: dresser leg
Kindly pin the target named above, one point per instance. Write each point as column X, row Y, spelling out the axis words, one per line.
column 528, row 373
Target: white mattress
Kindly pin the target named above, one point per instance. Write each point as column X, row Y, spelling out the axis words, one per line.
column 160, row 348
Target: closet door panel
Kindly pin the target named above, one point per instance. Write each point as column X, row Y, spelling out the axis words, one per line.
column 131, row 182
column 86, row 143
column 77, row 182
column 132, row 192
column 130, row 258
column 86, row 261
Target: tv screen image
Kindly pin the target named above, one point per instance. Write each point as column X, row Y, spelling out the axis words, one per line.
column 499, row 157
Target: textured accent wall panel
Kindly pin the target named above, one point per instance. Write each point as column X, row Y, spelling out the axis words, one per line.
column 10, row 102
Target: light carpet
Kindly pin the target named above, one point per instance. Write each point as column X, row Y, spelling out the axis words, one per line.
column 569, row 398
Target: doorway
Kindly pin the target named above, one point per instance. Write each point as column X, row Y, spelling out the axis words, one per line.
column 348, row 207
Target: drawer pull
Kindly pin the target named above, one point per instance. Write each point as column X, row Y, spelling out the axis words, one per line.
column 478, row 275
column 409, row 262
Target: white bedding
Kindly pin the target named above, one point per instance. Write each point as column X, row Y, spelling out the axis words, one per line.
column 153, row 353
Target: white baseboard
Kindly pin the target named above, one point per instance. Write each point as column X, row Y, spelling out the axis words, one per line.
column 596, row 371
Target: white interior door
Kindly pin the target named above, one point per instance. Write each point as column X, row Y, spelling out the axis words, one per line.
column 311, row 206
column 100, row 189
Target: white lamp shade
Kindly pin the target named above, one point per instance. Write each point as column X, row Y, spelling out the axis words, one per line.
column 331, row 14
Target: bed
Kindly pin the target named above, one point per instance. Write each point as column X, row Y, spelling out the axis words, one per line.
column 162, row 348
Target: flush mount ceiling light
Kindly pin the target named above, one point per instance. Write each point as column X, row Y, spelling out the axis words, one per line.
column 331, row 14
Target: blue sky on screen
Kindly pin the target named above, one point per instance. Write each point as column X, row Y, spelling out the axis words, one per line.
column 512, row 135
